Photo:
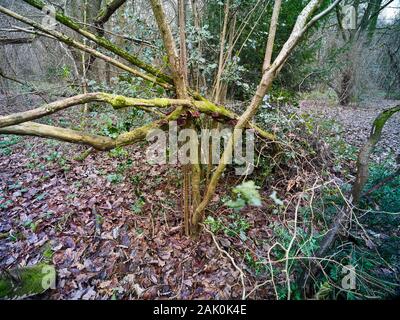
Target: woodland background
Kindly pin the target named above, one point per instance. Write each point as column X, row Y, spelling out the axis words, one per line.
column 111, row 223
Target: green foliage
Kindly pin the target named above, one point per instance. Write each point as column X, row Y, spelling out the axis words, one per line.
column 118, row 152
column 63, row 72
column 330, row 131
column 215, row 225
column 32, row 281
column 136, row 179
column 138, row 205
column 115, row 178
column 114, row 130
column 127, row 120
column 244, row 70
column 294, row 289
column 246, row 194
column 367, row 256
column 304, row 243
column 7, row 142
column 258, row 265
column 47, row 252
column 124, row 166
column 279, row 96
column 328, row 96
column 53, row 156
column 387, row 197
column 237, row 226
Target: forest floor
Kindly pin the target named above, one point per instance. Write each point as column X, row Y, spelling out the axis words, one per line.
column 356, row 122
column 112, row 224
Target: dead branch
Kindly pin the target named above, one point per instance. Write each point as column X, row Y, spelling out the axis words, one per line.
column 10, row 41
column 78, row 45
column 67, row 135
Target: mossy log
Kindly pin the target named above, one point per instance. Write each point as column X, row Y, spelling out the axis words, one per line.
column 24, row 282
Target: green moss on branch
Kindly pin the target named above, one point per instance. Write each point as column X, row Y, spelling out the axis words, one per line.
column 103, row 42
column 23, row 282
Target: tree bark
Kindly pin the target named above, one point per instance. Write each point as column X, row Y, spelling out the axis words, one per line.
column 271, row 35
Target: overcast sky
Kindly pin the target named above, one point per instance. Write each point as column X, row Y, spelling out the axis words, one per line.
column 390, row 11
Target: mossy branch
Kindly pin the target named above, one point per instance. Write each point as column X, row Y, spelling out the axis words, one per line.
column 366, row 150
column 119, row 102
column 116, row 101
column 160, row 78
column 78, row 45
column 45, row 131
column 98, row 142
column 103, row 42
column 23, row 282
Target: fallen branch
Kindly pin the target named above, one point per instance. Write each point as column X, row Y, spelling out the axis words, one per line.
column 98, row 142
column 118, row 102
column 8, row 41
column 67, row 135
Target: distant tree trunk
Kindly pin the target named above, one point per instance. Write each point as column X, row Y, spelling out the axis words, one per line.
column 346, row 87
column 231, row 36
column 198, row 79
column 84, row 11
column 220, row 70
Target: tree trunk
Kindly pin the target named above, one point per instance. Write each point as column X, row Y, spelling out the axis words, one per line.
column 346, row 88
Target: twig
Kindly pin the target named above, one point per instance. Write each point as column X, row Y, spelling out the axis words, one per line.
column 230, row 258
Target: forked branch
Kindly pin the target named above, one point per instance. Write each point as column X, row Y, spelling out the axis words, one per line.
column 269, row 75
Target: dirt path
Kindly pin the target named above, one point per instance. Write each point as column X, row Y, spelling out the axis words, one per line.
column 357, row 121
